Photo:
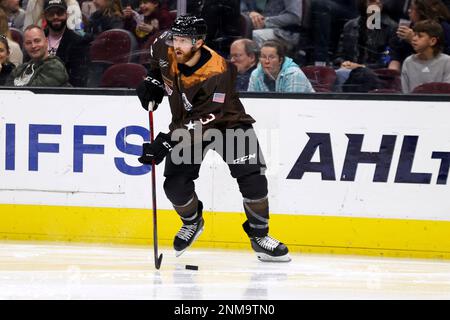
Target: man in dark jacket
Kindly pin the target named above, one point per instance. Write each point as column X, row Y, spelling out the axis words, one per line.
column 244, row 54
column 203, row 99
column 65, row 43
column 363, row 45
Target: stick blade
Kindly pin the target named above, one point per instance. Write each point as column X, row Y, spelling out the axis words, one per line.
column 158, row 261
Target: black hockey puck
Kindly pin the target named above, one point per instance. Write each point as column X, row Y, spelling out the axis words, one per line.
column 191, row 267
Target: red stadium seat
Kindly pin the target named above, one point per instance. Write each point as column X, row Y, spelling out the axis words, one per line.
column 322, row 78
column 113, row 46
column 123, row 75
column 433, row 87
column 17, row 36
column 108, row 48
column 389, row 78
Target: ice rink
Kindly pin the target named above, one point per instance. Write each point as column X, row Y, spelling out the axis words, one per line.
column 68, row 271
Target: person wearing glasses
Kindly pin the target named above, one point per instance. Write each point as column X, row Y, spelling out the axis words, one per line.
column 244, row 55
column 277, row 73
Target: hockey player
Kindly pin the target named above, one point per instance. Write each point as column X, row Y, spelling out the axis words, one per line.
column 200, row 87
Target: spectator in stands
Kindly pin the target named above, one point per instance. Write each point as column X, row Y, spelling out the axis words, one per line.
column 16, row 55
column 361, row 46
column 6, row 67
column 328, row 18
column 148, row 22
column 429, row 64
column 108, row 16
column 222, row 18
column 420, row 10
column 66, row 44
column 34, row 14
column 16, row 15
column 244, row 55
column 42, row 70
column 277, row 72
column 280, row 20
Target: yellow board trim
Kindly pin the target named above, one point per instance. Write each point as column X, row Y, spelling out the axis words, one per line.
column 302, row 233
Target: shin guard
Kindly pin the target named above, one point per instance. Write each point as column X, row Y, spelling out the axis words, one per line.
column 257, row 212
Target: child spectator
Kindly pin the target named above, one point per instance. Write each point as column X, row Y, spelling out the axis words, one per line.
column 244, row 55
column 145, row 24
column 5, row 66
column 429, row 64
column 277, row 73
column 419, row 10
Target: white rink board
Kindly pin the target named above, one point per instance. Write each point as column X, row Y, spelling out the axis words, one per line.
column 282, row 125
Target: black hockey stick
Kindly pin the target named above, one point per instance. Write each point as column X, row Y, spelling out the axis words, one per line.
column 158, row 259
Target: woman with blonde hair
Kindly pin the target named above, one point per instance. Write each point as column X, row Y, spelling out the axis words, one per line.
column 15, row 53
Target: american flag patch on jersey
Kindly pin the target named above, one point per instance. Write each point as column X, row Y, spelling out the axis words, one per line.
column 219, row 97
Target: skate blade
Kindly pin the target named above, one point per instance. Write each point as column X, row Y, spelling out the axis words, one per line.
column 179, row 253
column 267, row 258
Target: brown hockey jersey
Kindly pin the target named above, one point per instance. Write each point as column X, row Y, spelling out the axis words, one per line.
column 208, row 95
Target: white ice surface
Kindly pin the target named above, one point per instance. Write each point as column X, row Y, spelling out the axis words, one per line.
column 67, row 271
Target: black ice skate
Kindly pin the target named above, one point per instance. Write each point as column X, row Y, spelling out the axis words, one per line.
column 189, row 232
column 269, row 249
